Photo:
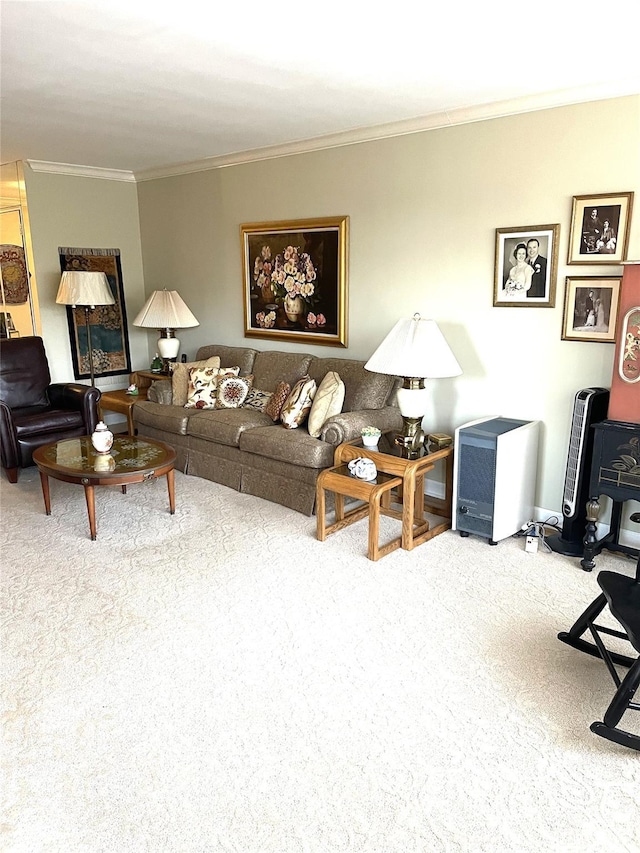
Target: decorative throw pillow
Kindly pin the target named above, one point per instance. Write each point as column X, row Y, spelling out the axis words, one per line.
column 277, row 401
column 233, row 391
column 257, row 400
column 203, row 385
column 298, row 404
column 328, row 401
column 180, row 378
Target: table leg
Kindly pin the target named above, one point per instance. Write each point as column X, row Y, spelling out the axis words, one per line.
column 408, row 510
column 321, row 508
column 44, row 480
column 171, row 485
column 91, row 509
column 130, row 427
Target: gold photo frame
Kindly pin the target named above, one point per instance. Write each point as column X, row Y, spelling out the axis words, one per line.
column 295, row 280
column 526, row 266
column 591, row 307
column 600, row 228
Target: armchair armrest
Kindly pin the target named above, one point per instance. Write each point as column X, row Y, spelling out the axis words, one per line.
column 347, row 425
column 161, row 391
column 9, row 454
column 77, row 398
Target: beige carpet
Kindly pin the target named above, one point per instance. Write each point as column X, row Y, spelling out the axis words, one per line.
column 221, row 681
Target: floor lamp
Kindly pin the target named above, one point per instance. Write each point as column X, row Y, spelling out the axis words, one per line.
column 85, row 290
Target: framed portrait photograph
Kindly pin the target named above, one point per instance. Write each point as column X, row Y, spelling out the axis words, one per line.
column 600, row 228
column 295, row 280
column 526, row 266
column 591, row 309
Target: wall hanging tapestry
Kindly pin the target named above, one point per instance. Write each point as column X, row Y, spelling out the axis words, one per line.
column 295, row 280
column 15, row 281
column 109, row 335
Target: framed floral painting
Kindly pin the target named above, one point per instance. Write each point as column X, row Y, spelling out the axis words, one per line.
column 295, row 280
column 526, row 266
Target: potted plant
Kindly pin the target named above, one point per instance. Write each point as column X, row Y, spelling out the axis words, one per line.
column 370, row 436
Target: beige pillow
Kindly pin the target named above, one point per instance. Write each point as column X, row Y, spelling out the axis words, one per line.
column 328, row 402
column 298, row 403
column 180, row 378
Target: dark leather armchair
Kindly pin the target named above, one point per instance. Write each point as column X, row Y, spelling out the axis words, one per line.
column 34, row 412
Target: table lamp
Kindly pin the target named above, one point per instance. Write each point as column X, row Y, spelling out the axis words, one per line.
column 165, row 311
column 85, row 289
column 415, row 349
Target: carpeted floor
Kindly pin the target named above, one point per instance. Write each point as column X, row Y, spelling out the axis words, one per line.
column 220, row 681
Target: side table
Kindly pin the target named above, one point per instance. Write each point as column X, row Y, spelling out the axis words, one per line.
column 388, row 459
column 122, row 403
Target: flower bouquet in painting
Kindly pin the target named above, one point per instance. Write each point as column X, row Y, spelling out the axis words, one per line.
column 293, row 280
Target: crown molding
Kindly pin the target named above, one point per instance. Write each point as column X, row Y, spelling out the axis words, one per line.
column 420, row 124
column 356, row 136
column 81, row 171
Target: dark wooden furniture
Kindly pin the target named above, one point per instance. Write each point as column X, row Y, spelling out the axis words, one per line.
column 622, row 595
column 33, row 411
column 615, row 472
column 131, row 460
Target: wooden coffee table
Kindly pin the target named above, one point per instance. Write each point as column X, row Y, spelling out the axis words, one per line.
column 131, row 460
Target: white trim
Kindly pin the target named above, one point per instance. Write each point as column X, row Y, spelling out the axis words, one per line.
column 81, row 171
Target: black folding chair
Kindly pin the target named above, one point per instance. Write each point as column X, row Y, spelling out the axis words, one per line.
column 622, row 595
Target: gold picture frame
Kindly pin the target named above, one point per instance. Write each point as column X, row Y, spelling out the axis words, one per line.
column 528, row 281
column 600, row 228
column 591, row 306
column 295, row 280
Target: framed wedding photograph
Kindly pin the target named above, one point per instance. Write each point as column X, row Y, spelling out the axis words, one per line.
column 526, row 266
column 591, row 309
column 600, row 228
column 295, row 280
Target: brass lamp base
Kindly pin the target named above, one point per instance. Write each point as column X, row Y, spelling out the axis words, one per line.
column 411, row 440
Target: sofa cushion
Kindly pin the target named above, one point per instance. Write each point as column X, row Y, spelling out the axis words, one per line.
column 225, row 426
column 363, row 389
column 242, row 356
column 180, row 378
column 272, row 367
column 294, row 446
column 233, row 391
column 203, row 386
column 277, row 401
column 298, row 404
column 257, row 399
column 327, row 402
column 159, row 416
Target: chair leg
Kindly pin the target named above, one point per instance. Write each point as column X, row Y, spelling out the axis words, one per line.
column 573, row 637
column 12, row 474
column 621, row 702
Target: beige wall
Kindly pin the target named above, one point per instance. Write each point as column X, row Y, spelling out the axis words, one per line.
column 88, row 213
column 423, row 212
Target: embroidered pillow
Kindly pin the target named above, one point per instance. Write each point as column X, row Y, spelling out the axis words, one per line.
column 203, row 385
column 298, row 404
column 233, row 391
column 180, row 378
column 257, row 400
column 327, row 402
column 277, row 401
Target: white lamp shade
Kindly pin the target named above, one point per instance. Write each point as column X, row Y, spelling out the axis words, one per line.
column 78, row 287
column 165, row 309
column 414, row 348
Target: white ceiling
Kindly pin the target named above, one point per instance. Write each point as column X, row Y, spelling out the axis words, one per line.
column 147, row 86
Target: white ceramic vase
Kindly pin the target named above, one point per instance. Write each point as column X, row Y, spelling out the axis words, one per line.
column 102, row 438
column 370, row 440
column 294, row 307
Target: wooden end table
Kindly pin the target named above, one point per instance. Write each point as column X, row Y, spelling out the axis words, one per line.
column 122, row 403
column 388, row 459
column 131, row 460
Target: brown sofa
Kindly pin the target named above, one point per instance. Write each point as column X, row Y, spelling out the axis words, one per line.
column 243, row 449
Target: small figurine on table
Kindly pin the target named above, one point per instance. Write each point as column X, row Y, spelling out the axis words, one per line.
column 133, row 390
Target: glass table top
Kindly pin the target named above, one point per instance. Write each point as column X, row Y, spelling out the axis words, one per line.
column 128, row 454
